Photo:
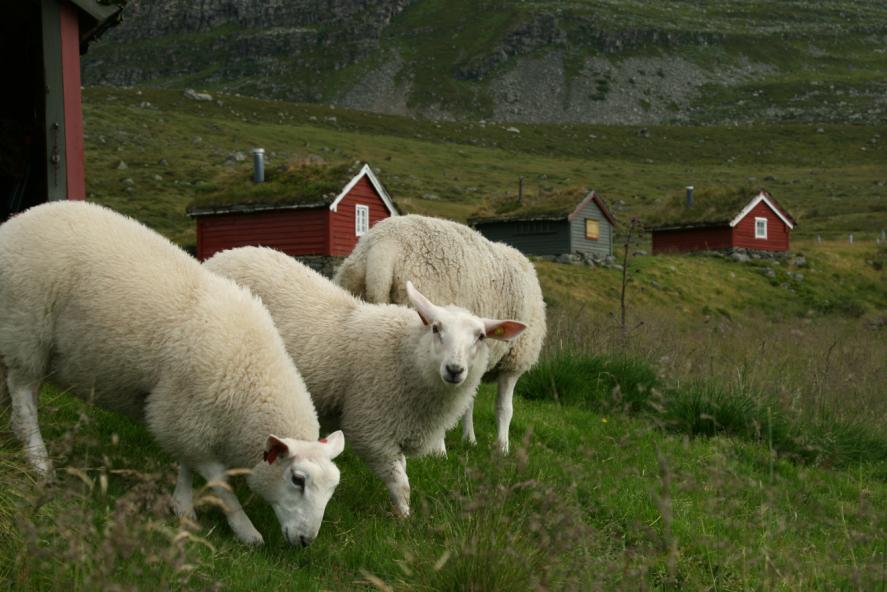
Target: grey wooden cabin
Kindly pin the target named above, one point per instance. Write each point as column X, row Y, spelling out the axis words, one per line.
column 554, row 228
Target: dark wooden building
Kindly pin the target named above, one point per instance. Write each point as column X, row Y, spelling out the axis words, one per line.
column 719, row 222
column 556, row 224
column 307, row 210
column 41, row 122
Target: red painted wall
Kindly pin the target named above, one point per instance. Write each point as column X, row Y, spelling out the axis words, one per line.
column 295, row 232
column 777, row 231
column 342, row 236
column 691, row 239
column 70, row 42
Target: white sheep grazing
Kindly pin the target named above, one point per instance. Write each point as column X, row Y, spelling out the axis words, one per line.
column 95, row 302
column 394, row 380
column 454, row 264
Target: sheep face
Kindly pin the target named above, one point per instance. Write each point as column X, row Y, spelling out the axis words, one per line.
column 456, row 337
column 298, row 478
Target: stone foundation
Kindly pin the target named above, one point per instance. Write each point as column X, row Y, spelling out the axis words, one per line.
column 323, row 264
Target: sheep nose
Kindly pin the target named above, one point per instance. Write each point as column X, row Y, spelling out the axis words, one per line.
column 455, row 369
column 305, row 540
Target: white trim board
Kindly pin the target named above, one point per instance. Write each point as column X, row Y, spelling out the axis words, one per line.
column 762, row 197
column 366, row 170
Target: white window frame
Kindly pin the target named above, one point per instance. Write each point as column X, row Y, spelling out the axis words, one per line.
column 758, row 234
column 361, row 219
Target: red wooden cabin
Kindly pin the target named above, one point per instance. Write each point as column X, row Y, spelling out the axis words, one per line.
column 760, row 223
column 327, row 225
column 41, row 122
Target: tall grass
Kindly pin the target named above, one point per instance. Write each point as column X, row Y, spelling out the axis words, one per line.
column 800, row 402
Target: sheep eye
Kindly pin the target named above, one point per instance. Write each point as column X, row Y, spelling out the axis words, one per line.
column 435, row 329
column 481, row 336
column 299, row 481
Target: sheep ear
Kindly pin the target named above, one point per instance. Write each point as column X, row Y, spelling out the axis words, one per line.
column 333, row 445
column 503, row 330
column 422, row 305
column 275, row 448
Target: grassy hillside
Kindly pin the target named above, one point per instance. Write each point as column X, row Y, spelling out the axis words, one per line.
column 831, row 177
column 797, row 41
column 836, row 278
column 544, row 60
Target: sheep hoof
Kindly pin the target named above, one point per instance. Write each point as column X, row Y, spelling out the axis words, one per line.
column 470, row 440
column 44, row 469
column 402, row 512
column 186, row 515
column 253, row 539
column 502, row 447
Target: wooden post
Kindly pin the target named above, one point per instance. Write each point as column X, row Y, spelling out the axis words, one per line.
column 75, row 173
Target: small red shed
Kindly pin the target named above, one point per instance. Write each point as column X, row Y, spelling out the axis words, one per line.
column 308, row 209
column 41, row 123
column 723, row 221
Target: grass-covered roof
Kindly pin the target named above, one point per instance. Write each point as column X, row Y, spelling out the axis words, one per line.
column 297, row 184
column 541, row 206
column 712, row 206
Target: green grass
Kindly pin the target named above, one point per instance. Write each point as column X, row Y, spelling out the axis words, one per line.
column 588, row 500
column 302, row 183
column 701, row 408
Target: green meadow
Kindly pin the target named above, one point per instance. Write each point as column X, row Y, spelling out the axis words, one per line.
column 729, row 436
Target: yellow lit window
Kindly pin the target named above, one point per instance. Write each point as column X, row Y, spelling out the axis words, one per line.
column 592, row 229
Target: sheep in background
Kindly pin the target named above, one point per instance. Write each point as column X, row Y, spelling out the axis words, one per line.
column 395, row 380
column 454, row 264
column 94, row 301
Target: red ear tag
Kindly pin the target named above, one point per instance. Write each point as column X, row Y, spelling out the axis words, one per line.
column 322, row 440
column 499, row 331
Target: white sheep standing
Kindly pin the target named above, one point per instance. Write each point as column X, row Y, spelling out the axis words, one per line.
column 393, row 379
column 94, row 301
column 453, row 264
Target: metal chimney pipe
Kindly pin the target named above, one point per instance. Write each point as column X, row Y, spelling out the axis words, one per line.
column 689, row 196
column 259, row 165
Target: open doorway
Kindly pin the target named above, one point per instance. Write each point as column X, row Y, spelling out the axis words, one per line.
column 22, row 109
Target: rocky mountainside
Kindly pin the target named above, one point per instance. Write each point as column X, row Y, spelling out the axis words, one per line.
column 595, row 61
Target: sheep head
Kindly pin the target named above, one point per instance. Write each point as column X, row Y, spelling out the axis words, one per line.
column 298, row 478
column 455, row 337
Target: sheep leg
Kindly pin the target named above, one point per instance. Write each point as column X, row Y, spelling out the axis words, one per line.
column 504, row 409
column 393, row 471
column 24, row 421
column 468, row 424
column 440, row 447
column 183, row 497
column 243, row 528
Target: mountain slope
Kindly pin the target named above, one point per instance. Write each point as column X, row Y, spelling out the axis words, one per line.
column 594, row 61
